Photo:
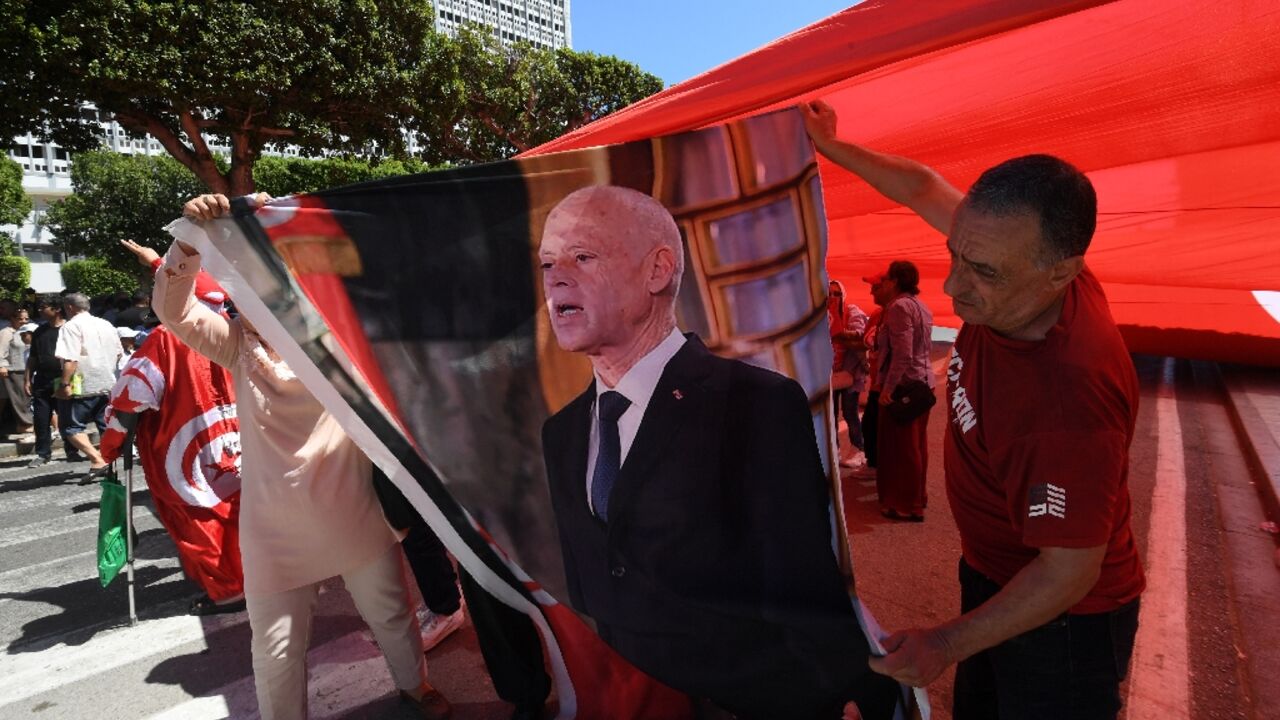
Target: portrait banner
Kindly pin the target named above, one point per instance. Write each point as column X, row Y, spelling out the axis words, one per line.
column 686, row 554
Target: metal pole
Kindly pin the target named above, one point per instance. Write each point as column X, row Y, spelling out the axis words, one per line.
column 127, row 455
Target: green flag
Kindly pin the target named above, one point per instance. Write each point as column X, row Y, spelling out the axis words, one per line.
column 112, row 552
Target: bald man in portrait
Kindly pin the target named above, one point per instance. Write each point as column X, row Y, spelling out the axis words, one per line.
column 688, row 490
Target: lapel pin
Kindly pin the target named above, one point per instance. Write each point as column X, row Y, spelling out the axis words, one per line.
column 677, row 394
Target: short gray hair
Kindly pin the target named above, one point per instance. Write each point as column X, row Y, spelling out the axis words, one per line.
column 77, row 300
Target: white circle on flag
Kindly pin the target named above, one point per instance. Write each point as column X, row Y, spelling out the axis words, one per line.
column 204, row 467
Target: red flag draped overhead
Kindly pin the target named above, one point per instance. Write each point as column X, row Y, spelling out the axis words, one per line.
column 1172, row 108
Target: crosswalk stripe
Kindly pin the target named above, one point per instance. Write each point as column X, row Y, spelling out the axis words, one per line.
column 1159, row 678
column 9, row 576
column 73, row 495
column 53, row 573
column 345, row 673
column 46, row 529
column 27, row 674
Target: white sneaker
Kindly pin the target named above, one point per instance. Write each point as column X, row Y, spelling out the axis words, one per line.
column 853, row 459
column 864, row 472
column 438, row 627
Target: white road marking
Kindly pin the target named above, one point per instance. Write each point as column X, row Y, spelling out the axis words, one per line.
column 343, row 674
column 27, row 674
column 1159, row 683
column 53, row 573
column 9, row 576
column 46, row 529
column 60, row 497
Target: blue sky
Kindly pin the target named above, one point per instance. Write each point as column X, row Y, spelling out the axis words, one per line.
column 677, row 39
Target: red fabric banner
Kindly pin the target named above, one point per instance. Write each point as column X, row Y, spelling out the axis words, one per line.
column 1170, row 108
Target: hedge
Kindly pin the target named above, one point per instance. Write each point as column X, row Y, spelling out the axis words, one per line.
column 15, row 276
column 94, row 277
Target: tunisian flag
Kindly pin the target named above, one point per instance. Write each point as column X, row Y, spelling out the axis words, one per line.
column 188, row 438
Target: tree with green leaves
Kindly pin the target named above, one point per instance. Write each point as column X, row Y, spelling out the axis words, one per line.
column 132, row 197
column 119, row 197
column 15, row 205
column 348, row 76
column 321, row 75
column 495, row 101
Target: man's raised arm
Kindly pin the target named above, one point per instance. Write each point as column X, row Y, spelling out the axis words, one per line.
column 907, row 182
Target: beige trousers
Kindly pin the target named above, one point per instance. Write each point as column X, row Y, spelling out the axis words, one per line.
column 281, row 625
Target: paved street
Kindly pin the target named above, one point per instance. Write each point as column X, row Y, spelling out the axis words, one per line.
column 1208, row 643
column 1206, row 647
column 68, row 651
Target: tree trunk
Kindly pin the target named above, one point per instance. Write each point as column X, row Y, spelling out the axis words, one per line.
column 208, row 174
column 244, row 152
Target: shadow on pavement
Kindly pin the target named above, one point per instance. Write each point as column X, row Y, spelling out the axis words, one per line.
column 37, row 483
column 145, row 549
column 222, row 663
column 141, row 499
column 223, row 668
column 88, row 608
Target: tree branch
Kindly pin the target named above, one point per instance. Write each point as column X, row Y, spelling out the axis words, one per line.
column 454, row 146
column 190, row 125
column 501, row 132
column 141, row 122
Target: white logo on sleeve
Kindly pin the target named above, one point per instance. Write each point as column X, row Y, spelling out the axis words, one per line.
column 1047, row 499
column 962, row 412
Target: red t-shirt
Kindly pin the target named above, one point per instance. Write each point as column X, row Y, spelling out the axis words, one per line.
column 1037, row 450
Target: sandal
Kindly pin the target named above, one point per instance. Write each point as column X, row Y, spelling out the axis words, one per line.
column 895, row 515
column 93, row 474
column 204, row 605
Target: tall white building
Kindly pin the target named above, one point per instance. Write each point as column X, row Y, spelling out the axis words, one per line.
column 46, row 177
column 543, row 23
column 46, row 167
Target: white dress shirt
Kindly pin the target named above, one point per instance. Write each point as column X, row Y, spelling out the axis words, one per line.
column 637, row 385
column 93, row 343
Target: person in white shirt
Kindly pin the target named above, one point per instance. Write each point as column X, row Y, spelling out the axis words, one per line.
column 90, row 349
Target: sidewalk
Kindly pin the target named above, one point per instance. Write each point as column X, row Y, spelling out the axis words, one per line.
column 1252, row 399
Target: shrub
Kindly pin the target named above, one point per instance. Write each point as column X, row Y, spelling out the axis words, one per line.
column 95, row 276
column 15, row 276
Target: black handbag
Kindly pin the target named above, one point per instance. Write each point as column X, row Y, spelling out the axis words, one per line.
column 911, row 399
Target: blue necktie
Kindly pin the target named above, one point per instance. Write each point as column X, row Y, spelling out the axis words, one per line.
column 610, row 405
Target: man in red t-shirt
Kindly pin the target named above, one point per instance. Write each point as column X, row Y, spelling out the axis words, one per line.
column 1042, row 399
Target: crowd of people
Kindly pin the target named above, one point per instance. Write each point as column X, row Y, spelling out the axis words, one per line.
column 58, row 363
column 1049, row 575
column 885, row 354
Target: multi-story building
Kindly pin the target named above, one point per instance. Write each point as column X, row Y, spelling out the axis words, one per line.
column 542, row 23
column 46, row 177
column 46, row 167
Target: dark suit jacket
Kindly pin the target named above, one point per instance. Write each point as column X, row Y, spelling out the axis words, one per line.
column 716, row 573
